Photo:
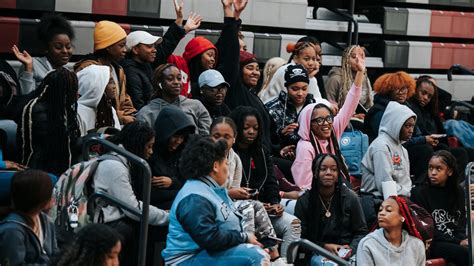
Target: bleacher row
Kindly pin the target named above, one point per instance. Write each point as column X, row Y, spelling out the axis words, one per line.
column 466, row 3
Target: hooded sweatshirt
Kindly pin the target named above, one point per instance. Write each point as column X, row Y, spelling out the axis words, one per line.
column 92, row 82
column 305, row 152
column 194, row 110
column 277, row 84
column 386, row 159
column 374, row 249
column 335, row 91
column 29, row 81
column 164, row 163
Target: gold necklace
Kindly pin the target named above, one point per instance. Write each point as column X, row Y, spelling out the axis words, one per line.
column 327, row 213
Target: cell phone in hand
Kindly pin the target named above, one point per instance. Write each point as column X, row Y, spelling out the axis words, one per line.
column 439, row 136
column 270, row 241
column 344, row 253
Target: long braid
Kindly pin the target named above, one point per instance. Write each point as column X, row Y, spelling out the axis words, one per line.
column 58, row 92
column 104, row 116
column 347, row 78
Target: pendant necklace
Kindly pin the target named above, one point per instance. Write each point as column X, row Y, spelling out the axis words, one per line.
column 327, row 213
column 247, row 180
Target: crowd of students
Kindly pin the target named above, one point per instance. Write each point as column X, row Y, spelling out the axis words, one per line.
column 241, row 166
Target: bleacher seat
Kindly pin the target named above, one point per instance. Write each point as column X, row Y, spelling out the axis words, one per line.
column 77, row 6
column 144, row 8
column 10, row 29
column 110, row 7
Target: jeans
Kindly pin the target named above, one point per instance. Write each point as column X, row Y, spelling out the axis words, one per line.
column 289, row 204
column 288, row 227
column 243, row 254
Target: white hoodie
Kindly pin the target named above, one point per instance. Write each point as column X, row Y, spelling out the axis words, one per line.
column 92, row 83
column 374, row 249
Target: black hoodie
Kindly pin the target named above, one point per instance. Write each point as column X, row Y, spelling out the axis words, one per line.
column 170, row 121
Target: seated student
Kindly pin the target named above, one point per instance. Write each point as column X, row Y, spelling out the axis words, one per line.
column 425, row 105
column 271, row 66
column 320, row 131
column 330, row 213
column 213, row 91
column 95, row 244
column 285, row 108
column 304, row 54
column 109, row 48
column 257, row 172
column 146, row 52
column 172, row 129
column 443, row 197
column 48, row 131
column 340, row 79
column 255, row 218
column 386, row 159
column 167, row 82
column 96, row 103
column 27, row 235
column 55, row 34
column 113, row 176
column 396, row 242
column 204, row 226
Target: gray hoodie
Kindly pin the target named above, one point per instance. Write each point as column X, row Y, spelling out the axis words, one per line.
column 29, row 81
column 193, row 109
column 386, row 159
column 374, row 249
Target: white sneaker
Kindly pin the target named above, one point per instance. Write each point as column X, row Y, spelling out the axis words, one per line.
column 280, row 262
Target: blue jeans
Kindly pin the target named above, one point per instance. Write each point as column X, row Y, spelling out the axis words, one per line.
column 243, row 254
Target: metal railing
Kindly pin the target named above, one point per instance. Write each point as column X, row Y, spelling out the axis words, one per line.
column 293, row 249
column 143, row 238
column 352, row 37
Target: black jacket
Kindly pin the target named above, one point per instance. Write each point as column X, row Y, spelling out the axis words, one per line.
column 450, row 222
column 345, row 226
column 163, row 163
column 257, row 169
column 238, row 94
column 20, row 246
column 427, row 123
column 140, row 75
column 216, row 111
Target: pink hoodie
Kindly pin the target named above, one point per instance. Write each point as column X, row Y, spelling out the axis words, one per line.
column 305, row 153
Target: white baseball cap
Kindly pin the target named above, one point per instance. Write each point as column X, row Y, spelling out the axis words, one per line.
column 211, row 78
column 139, row 36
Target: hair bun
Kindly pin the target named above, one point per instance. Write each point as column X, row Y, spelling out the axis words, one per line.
column 290, row 47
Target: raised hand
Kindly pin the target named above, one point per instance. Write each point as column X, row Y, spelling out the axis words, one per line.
column 239, row 5
column 193, row 22
column 178, row 8
column 360, row 64
column 227, row 3
column 24, row 57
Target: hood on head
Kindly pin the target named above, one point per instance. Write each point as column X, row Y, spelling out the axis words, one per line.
column 304, row 119
column 393, row 118
column 171, row 120
column 92, row 82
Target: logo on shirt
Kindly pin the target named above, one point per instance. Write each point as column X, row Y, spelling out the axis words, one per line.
column 397, row 161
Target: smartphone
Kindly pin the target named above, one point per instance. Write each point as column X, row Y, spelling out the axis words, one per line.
column 344, row 253
column 270, row 241
column 439, row 136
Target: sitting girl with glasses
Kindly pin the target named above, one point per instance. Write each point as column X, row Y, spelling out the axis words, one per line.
column 320, row 131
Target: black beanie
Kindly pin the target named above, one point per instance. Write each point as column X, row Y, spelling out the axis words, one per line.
column 295, row 73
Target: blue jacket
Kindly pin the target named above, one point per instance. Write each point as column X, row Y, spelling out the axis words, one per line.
column 20, row 246
column 202, row 218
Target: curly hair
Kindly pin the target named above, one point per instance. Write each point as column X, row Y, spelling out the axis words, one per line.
column 52, row 25
column 134, row 136
column 389, row 82
column 199, row 155
column 90, row 246
column 239, row 115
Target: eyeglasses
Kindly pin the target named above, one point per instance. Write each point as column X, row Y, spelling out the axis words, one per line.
column 320, row 120
column 402, row 90
column 215, row 90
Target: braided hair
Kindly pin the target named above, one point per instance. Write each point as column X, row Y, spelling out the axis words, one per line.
column 333, row 143
column 314, row 218
column 58, row 92
column 408, row 224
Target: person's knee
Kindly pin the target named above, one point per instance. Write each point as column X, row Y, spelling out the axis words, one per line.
column 254, row 255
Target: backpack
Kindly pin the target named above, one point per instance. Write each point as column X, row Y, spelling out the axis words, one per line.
column 353, row 145
column 71, row 193
column 8, row 90
column 423, row 222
